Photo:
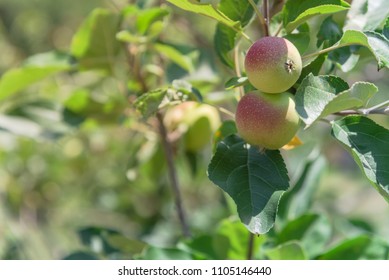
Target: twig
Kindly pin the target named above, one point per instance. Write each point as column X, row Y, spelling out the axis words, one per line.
column 267, row 16
column 134, row 61
column 173, row 175
column 237, row 68
column 259, row 15
column 250, row 247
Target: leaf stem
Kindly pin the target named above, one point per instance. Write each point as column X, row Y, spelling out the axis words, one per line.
column 225, row 111
column 380, row 109
column 259, row 15
column 173, row 175
column 278, row 30
column 325, row 50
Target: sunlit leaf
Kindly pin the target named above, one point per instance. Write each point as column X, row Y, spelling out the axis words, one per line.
column 95, row 45
column 321, row 96
column 297, row 12
column 368, row 143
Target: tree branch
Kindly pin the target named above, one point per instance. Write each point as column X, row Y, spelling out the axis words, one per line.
column 173, row 175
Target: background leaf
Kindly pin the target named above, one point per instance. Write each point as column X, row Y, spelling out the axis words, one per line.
column 236, row 82
column 148, row 103
column 287, row 251
column 225, row 38
column 182, row 60
column 254, row 179
column 204, row 9
column 351, row 249
column 366, row 15
column 311, row 230
column 95, row 45
column 34, row 69
column 146, row 18
column 375, row 42
column 298, row 200
column 231, row 240
column 297, row 12
column 369, row 145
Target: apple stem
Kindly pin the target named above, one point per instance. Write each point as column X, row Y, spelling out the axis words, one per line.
column 278, row 30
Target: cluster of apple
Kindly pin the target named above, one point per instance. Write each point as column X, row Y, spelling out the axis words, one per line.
column 267, row 117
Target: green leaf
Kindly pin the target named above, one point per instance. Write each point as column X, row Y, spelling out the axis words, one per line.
column 369, row 145
column 311, row 230
column 226, row 129
column 206, row 10
column 149, row 102
column 170, row 52
column 95, row 44
column 366, row 15
column 225, row 37
column 299, row 199
column 313, row 67
column 321, row 96
column 300, row 40
column 147, row 17
column 186, row 88
column 329, row 33
column 352, row 249
column 202, row 247
column 128, row 37
column 34, row 69
column 375, row 42
column 254, row 179
column 297, row 12
column 236, row 82
column 224, row 43
column 238, row 10
column 231, row 241
column 344, row 58
column 287, row 251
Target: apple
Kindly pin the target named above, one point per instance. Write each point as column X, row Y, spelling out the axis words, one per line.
column 267, row 120
column 273, row 64
column 195, row 122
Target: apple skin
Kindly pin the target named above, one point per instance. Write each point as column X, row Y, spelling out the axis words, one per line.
column 273, row 64
column 267, row 120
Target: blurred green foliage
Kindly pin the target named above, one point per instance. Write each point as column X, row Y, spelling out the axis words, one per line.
column 82, row 178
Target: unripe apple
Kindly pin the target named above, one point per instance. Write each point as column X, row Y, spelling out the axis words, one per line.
column 267, row 120
column 273, row 64
column 195, row 122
